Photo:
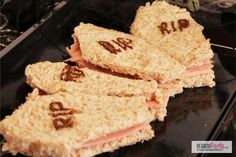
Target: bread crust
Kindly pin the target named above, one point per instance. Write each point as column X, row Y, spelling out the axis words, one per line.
column 204, row 80
column 188, row 46
column 143, row 59
column 38, row 149
column 30, row 130
column 143, row 135
column 47, row 77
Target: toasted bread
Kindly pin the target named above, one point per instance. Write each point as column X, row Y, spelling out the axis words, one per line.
column 172, row 30
column 34, row 128
column 187, row 44
column 47, row 76
column 124, row 53
column 200, row 81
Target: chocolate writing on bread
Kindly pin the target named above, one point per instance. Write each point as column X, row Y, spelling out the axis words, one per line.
column 167, row 28
column 71, row 73
column 42, row 92
column 108, row 46
column 62, row 117
column 122, row 44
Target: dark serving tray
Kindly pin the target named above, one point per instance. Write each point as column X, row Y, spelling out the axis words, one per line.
column 196, row 114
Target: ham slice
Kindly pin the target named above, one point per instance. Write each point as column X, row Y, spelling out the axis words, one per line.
column 114, row 136
column 153, row 103
column 193, row 71
column 168, row 85
column 158, row 103
column 76, row 56
column 126, row 132
column 198, row 70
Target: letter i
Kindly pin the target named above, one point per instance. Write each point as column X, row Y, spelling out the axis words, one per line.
column 173, row 26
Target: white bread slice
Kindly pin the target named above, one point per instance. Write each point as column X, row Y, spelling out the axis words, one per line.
column 30, row 129
column 139, row 58
column 188, row 46
column 203, row 80
column 47, row 77
column 144, row 134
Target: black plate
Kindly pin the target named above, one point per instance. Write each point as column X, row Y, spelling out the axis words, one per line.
column 196, row 114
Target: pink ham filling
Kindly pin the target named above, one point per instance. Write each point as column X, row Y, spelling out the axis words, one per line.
column 114, row 136
column 168, row 85
column 193, row 71
column 198, row 70
column 156, row 103
column 76, row 56
column 126, row 132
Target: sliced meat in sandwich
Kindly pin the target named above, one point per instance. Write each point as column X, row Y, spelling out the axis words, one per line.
column 72, row 125
column 60, row 77
column 125, row 54
column 95, row 48
column 172, row 30
column 53, row 77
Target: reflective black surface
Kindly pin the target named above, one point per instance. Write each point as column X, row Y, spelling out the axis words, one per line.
column 196, row 114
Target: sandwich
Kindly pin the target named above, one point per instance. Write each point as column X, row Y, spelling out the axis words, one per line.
column 123, row 53
column 56, row 77
column 53, row 77
column 75, row 125
column 172, row 30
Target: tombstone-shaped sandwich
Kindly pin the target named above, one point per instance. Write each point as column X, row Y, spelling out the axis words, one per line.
column 125, row 54
column 72, row 125
column 172, row 30
column 56, row 77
